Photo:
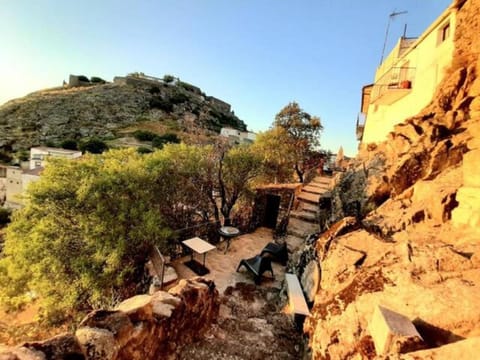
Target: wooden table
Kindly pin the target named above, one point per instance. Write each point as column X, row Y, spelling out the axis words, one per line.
column 200, row 247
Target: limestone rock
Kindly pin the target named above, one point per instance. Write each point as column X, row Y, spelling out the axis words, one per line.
column 393, row 332
column 97, row 344
column 143, row 327
column 58, row 347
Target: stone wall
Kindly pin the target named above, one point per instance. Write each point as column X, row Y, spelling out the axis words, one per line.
column 143, row 327
column 286, row 192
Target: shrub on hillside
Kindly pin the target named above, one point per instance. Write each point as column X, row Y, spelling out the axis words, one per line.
column 4, row 216
column 189, row 87
column 5, row 157
column 158, row 103
column 69, row 144
column 160, row 140
column 97, row 80
column 168, row 78
column 94, row 146
column 178, row 98
column 144, row 135
column 144, row 150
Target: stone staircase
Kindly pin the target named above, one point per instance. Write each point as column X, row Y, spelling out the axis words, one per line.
column 303, row 220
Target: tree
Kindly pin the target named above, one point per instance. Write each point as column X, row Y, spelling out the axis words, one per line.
column 94, row 146
column 277, row 155
column 84, row 235
column 237, row 167
column 303, row 134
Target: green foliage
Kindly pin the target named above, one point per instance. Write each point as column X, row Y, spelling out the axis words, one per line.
column 85, row 232
column 302, row 132
column 160, row 140
column 83, row 78
column 144, row 150
column 157, row 102
column 277, row 154
column 188, row 87
column 97, row 80
column 94, row 146
column 144, row 135
column 5, row 215
column 154, row 90
column 168, row 78
column 88, row 225
column 23, row 155
column 178, row 98
column 5, row 157
column 69, row 144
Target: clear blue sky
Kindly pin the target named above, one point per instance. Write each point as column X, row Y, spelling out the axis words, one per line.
column 258, row 55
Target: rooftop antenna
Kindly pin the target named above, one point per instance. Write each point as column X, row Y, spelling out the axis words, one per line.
column 390, row 18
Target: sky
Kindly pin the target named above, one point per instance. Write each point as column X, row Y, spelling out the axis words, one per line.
column 257, row 55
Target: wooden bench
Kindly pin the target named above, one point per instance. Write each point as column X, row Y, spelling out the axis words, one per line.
column 296, row 299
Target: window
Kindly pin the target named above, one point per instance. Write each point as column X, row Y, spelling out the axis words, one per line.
column 443, row 33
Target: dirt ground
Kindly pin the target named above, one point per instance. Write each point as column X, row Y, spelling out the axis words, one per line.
column 252, row 323
column 223, row 267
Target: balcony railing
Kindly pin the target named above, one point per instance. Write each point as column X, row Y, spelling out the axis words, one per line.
column 393, row 85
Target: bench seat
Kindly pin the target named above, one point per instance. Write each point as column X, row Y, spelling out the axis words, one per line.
column 296, row 298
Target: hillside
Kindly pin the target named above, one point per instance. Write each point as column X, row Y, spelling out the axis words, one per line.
column 110, row 110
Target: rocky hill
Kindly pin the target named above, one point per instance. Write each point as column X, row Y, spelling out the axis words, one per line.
column 106, row 111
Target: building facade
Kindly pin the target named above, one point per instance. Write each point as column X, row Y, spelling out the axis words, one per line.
column 406, row 80
column 39, row 155
column 238, row 137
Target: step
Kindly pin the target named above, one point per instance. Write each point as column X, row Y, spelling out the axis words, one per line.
column 308, row 197
column 324, row 180
column 300, row 228
column 315, row 189
column 311, row 208
column 304, row 215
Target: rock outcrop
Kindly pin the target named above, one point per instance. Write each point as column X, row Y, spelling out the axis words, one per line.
column 143, row 327
column 51, row 116
column 415, row 200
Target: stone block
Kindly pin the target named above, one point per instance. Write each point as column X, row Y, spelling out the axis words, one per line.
column 393, row 332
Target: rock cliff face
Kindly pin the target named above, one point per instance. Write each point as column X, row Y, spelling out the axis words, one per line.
column 104, row 109
column 143, row 327
column 414, row 249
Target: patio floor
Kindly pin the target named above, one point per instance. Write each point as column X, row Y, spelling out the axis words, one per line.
column 223, row 267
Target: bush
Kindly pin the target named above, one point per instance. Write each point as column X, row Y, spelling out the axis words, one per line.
column 5, row 157
column 94, row 146
column 69, row 144
column 144, row 150
column 97, row 80
column 159, row 103
column 168, row 78
column 189, row 87
column 154, row 90
column 83, row 78
column 144, row 135
column 178, row 98
column 161, row 140
column 4, row 216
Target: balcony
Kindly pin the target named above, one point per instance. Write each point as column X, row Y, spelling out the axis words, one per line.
column 396, row 83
